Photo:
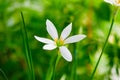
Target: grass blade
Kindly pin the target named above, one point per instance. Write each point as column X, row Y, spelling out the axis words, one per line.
column 3, row 74
column 27, row 49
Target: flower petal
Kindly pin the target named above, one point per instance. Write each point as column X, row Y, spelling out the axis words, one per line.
column 110, row 1
column 65, row 33
column 49, row 47
column 65, row 53
column 51, row 29
column 74, row 38
column 44, row 40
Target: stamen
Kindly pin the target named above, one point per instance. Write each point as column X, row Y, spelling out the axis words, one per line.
column 56, row 40
column 117, row 1
column 59, row 42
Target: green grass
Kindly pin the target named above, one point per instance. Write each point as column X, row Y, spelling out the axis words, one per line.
column 27, row 50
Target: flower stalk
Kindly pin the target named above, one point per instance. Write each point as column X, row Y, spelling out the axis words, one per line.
column 111, row 26
column 54, row 66
column 74, row 66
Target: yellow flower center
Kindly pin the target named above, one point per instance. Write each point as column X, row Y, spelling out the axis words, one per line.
column 117, row 1
column 59, row 42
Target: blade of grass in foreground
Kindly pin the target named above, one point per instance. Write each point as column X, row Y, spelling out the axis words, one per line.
column 27, row 49
column 3, row 74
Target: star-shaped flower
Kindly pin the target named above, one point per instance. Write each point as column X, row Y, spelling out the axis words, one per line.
column 61, row 41
column 113, row 2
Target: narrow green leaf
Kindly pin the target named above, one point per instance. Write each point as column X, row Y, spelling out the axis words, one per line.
column 27, row 49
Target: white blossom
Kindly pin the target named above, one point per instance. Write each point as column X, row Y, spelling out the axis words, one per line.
column 113, row 2
column 59, row 41
column 114, row 75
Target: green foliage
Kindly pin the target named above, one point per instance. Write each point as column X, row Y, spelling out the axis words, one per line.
column 88, row 17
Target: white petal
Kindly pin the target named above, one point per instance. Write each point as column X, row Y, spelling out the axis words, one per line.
column 65, row 33
column 65, row 53
column 51, row 29
column 44, row 40
column 49, row 47
column 74, row 38
column 110, row 1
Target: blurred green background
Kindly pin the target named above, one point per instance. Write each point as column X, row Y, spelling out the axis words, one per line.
column 89, row 17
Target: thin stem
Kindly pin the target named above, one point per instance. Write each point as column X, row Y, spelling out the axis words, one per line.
column 28, row 53
column 3, row 74
column 104, row 44
column 73, row 75
column 54, row 66
column 51, row 71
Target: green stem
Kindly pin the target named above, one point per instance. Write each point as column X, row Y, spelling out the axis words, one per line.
column 73, row 75
column 104, row 44
column 54, row 66
column 28, row 53
column 3, row 74
column 51, row 71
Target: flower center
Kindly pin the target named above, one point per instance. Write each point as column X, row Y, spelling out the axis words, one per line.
column 117, row 1
column 59, row 42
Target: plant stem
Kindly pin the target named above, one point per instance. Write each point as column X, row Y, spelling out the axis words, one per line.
column 73, row 74
column 27, row 49
column 54, row 66
column 3, row 74
column 51, row 71
column 104, row 43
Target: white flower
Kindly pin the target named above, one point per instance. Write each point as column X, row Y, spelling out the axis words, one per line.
column 113, row 2
column 59, row 42
column 114, row 75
